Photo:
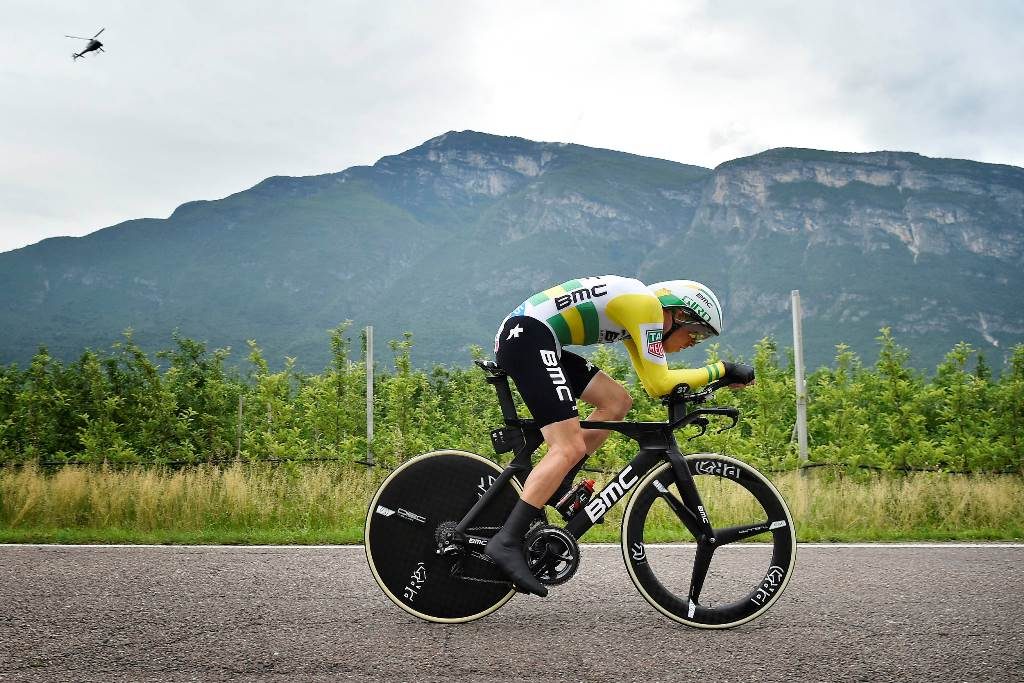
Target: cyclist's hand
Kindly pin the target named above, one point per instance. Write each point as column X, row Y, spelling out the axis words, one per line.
column 738, row 375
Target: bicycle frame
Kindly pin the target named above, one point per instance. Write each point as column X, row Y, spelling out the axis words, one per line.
column 657, row 443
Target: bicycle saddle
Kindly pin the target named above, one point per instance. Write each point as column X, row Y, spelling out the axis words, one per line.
column 491, row 368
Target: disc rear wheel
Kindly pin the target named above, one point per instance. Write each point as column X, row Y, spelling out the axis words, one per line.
column 408, row 518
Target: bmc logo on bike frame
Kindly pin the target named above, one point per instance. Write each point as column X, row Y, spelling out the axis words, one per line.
column 578, row 296
column 611, row 493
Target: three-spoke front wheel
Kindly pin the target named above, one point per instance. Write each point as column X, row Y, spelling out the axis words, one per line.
column 717, row 582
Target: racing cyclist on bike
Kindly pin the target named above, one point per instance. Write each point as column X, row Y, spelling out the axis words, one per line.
column 649, row 320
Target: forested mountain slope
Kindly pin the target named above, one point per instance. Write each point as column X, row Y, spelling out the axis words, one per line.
column 444, row 239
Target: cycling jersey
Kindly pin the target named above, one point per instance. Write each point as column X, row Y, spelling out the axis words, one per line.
column 609, row 308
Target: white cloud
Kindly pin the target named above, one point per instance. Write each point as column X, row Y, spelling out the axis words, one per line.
column 198, row 100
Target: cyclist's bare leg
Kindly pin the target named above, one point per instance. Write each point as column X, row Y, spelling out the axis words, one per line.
column 611, row 402
column 568, row 442
column 566, row 445
column 565, row 448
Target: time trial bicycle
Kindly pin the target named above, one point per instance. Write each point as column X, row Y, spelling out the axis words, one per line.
column 687, row 528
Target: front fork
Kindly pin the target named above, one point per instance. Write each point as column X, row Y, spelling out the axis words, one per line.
column 692, row 514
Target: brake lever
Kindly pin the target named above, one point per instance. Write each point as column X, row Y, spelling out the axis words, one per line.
column 724, row 411
column 701, row 422
column 735, row 421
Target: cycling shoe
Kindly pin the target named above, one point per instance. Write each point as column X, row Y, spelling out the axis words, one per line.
column 508, row 554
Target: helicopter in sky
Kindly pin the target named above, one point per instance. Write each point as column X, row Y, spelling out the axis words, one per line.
column 92, row 45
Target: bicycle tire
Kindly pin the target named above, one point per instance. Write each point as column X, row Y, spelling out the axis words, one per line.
column 739, row 587
column 437, row 487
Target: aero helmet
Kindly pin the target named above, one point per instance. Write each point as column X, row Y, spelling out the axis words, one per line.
column 693, row 297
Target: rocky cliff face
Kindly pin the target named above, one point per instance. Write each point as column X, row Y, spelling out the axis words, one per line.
column 931, row 247
column 466, row 167
column 934, row 206
column 444, row 239
column 532, row 188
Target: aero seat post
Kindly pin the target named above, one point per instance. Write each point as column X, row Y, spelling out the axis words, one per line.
column 504, row 391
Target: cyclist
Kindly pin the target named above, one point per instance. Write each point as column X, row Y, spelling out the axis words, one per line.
column 649, row 320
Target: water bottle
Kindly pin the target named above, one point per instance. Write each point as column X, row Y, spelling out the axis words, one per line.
column 572, row 502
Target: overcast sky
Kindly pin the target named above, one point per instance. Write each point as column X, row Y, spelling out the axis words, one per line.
column 197, row 100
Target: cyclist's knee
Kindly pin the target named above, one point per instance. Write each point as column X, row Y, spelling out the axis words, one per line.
column 615, row 404
column 620, row 404
column 608, row 396
column 569, row 449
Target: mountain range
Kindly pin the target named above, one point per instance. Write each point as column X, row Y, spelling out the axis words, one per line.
column 443, row 240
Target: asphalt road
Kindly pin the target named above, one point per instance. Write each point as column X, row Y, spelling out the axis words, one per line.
column 950, row 613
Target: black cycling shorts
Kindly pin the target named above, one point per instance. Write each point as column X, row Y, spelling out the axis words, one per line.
column 548, row 380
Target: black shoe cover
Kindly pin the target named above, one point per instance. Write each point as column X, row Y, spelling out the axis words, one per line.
column 508, row 554
column 506, row 549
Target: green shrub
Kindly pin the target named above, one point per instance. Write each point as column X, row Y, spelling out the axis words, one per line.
column 185, row 406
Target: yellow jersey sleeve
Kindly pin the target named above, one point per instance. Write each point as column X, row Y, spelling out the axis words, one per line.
column 641, row 316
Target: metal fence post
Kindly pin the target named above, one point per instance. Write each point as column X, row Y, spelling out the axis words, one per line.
column 369, row 394
column 238, row 433
column 801, row 384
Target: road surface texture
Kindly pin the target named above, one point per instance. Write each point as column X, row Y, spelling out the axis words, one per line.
column 865, row 613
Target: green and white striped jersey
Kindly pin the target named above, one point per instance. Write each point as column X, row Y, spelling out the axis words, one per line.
column 610, row 308
column 577, row 311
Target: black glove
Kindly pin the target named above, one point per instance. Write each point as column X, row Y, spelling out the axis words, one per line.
column 737, row 373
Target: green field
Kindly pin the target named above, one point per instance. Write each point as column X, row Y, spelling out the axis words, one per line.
column 326, row 503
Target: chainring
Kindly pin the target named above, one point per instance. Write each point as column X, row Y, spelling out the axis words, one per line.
column 552, row 554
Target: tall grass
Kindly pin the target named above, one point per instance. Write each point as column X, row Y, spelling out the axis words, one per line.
column 917, row 505
column 326, row 499
column 884, row 507
column 261, row 503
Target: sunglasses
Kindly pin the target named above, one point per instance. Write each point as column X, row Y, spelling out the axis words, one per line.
column 697, row 329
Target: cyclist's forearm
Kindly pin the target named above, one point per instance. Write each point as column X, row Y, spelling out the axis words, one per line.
column 658, row 380
column 695, row 378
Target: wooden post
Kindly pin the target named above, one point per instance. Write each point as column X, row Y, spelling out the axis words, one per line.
column 801, row 384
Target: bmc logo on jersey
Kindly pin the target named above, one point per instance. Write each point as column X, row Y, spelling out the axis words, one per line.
column 654, row 344
column 579, row 295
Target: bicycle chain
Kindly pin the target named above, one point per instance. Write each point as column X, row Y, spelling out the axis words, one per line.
column 457, row 567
